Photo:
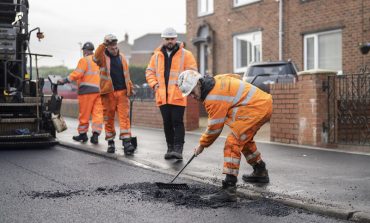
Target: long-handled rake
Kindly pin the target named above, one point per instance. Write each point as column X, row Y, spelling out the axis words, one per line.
column 171, row 185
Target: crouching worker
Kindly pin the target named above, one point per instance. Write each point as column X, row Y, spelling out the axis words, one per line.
column 87, row 77
column 241, row 106
column 115, row 88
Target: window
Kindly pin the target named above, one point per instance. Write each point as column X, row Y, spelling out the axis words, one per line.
column 323, row 51
column 243, row 2
column 205, row 7
column 247, row 49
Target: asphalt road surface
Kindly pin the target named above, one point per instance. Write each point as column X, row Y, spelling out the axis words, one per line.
column 63, row 185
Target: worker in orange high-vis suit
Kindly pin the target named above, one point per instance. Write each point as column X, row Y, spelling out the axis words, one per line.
column 115, row 89
column 168, row 61
column 241, row 106
column 87, row 77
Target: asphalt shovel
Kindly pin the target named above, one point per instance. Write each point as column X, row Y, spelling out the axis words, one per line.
column 133, row 138
column 171, row 185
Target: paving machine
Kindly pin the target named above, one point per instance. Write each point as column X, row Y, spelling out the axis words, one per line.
column 26, row 115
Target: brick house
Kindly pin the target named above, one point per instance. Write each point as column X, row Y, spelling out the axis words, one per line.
column 226, row 36
column 144, row 46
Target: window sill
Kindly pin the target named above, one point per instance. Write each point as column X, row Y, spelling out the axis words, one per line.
column 245, row 4
column 205, row 15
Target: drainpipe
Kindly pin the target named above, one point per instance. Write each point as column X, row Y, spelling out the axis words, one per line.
column 281, row 32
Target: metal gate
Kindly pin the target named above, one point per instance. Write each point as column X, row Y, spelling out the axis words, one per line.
column 349, row 108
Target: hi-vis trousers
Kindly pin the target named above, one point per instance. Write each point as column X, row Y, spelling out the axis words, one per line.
column 113, row 102
column 243, row 143
column 90, row 104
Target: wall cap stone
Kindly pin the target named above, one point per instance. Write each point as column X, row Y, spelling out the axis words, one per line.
column 317, row 71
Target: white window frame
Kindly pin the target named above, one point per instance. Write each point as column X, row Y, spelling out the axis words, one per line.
column 236, row 56
column 238, row 3
column 209, row 6
column 316, row 47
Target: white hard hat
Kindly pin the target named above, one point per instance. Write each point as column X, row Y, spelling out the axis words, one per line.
column 187, row 81
column 110, row 38
column 169, row 33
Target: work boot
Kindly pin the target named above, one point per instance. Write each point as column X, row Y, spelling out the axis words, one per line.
column 94, row 138
column 226, row 194
column 111, row 147
column 128, row 148
column 168, row 154
column 80, row 138
column 177, row 152
column 259, row 174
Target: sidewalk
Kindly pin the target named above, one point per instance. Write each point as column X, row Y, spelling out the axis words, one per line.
column 321, row 180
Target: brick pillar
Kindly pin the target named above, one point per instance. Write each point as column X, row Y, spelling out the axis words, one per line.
column 191, row 117
column 313, row 107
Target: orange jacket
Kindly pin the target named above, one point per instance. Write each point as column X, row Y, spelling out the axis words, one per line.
column 182, row 60
column 230, row 102
column 103, row 61
column 86, row 75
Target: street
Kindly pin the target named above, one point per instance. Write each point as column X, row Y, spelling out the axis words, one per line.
column 64, row 185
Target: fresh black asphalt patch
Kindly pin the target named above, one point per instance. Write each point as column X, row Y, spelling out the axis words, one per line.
column 187, row 198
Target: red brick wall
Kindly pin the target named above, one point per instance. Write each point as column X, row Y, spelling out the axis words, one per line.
column 144, row 113
column 147, row 114
column 284, row 120
column 300, row 109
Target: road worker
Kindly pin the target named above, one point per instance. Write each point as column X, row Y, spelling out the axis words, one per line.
column 87, row 77
column 115, row 88
column 241, row 106
column 167, row 62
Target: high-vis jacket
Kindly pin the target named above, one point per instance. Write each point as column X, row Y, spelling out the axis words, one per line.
column 182, row 60
column 233, row 102
column 103, row 61
column 86, row 75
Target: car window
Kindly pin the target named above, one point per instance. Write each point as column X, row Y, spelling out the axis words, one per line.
column 271, row 69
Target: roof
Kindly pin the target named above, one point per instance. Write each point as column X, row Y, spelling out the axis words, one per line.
column 150, row 41
column 125, row 47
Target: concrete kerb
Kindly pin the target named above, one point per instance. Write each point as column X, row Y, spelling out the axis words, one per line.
column 339, row 213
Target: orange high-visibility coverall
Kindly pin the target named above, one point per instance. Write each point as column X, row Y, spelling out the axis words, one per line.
column 244, row 108
column 114, row 100
column 87, row 77
column 182, row 60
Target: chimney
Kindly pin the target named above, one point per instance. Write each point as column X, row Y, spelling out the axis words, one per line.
column 126, row 38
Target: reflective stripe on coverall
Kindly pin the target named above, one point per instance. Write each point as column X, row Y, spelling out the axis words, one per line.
column 182, row 60
column 114, row 100
column 244, row 108
column 87, row 77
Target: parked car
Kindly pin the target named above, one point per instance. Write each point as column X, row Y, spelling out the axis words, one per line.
column 262, row 74
column 68, row 90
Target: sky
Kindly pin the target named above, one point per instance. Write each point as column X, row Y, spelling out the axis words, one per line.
column 66, row 23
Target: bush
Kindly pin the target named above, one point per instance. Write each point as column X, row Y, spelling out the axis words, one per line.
column 137, row 74
column 56, row 70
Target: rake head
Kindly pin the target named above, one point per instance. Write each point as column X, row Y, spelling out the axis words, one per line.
column 170, row 186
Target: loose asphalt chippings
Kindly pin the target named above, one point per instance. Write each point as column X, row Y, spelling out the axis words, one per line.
column 188, row 198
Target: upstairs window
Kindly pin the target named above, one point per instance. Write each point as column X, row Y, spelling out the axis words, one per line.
column 247, row 49
column 323, row 50
column 205, row 7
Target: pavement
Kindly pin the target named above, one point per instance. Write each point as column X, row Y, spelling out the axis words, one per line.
column 325, row 181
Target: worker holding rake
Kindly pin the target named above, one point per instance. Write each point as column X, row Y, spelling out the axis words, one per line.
column 244, row 108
